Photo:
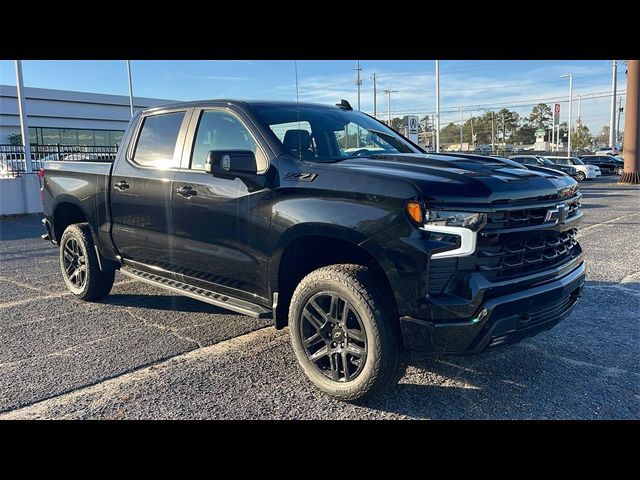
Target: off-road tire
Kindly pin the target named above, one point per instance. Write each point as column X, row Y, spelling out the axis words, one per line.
column 386, row 357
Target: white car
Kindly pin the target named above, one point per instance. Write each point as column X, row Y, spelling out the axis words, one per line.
column 607, row 151
column 584, row 172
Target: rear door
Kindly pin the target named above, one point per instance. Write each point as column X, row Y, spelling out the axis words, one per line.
column 141, row 189
column 221, row 225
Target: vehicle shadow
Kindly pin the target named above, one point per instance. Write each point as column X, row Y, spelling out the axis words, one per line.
column 164, row 302
column 582, row 368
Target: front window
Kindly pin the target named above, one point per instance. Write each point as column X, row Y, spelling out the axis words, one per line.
column 546, row 162
column 576, row 161
column 328, row 135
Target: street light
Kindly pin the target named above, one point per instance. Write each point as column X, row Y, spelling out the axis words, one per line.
column 570, row 77
column 388, row 93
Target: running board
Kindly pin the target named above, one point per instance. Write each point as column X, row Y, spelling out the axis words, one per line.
column 207, row 296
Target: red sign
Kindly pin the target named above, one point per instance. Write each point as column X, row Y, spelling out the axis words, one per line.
column 557, row 108
column 556, row 113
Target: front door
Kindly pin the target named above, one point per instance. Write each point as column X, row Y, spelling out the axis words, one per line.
column 141, row 189
column 221, row 225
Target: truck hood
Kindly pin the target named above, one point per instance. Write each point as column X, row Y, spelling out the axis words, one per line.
column 446, row 179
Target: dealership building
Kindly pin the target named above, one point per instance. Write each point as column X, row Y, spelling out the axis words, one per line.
column 67, row 117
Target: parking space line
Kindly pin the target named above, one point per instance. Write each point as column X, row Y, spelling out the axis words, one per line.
column 578, row 363
column 586, row 229
column 109, row 387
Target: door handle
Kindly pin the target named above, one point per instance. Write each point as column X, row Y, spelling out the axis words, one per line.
column 121, row 185
column 186, row 191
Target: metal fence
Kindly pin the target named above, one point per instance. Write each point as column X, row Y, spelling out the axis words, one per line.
column 13, row 163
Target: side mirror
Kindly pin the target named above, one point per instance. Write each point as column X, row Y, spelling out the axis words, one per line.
column 231, row 163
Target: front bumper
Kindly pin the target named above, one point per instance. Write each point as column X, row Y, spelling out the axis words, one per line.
column 593, row 174
column 499, row 320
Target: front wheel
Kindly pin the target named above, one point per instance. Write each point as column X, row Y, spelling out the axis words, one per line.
column 619, row 170
column 580, row 176
column 345, row 334
column 79, row 263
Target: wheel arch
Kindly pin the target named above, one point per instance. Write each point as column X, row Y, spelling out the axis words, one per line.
column 308, row 249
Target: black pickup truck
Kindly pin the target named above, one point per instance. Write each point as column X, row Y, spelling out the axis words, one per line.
column 325, row 220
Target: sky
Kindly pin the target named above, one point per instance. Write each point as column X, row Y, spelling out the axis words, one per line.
column 473, row 84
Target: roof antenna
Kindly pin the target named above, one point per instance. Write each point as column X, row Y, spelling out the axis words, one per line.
column 295, row 64
column 344, row 105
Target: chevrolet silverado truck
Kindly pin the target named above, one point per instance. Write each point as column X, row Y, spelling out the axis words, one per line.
column 327, row 221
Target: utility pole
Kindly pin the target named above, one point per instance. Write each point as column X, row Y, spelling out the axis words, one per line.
column 358, row 82
column 24, row 124
column 553, row 131
column 631, row 172
column 620, row 110
column 437, row 106
column 579, row 107
column 130, row 86
column 374, row 96
column 461, row 120
column 612, row 118
column 389, row 92
column 473, row 140
column 570, row 75
column 493, row 141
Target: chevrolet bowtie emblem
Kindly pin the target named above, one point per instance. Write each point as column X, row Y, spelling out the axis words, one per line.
column 558, row 215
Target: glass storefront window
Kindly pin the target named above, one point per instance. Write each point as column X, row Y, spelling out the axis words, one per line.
column 85, row 137
column 33, row 135
column 74, row 136
column 69, row 136
column 102, row 138
column 116, row 137
column 50, row 136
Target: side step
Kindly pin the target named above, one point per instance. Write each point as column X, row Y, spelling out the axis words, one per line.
column 207, row 296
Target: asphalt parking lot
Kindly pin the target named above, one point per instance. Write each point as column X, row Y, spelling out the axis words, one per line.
column 145, row 353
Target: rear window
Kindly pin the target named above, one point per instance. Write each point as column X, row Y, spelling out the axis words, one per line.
column 157, row 140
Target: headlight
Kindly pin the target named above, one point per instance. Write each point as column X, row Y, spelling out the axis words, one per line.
column 472, row 221
column 445, row 218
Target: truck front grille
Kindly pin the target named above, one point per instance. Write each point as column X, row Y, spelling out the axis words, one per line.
column 521, row 257
column 506, row 219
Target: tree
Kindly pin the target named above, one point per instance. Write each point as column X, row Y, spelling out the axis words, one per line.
column 450, row 133
column 540, row 116
column 397, row 125
column 603, row 138
column 581, row 138
column 15, row 139
column 507, row 121
column 526, row 134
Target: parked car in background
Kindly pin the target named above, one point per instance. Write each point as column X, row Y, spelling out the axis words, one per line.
column 584, row 172
column 606, row 163
column 540, row 161
column 607, row 151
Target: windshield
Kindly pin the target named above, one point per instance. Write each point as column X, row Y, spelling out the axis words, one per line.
column 327, row 135
column 577, row 161
column 547, row 162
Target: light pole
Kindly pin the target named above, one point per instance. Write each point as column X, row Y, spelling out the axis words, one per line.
column 570, row 76
column 612, row 117
column 437, row 106
column 358, row 82
column 579, row 107
column 388, row 93
column 461, row 120
column 130, row 86
column 374, row 96
column 24, row 125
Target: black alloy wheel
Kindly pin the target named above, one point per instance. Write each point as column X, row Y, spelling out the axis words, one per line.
column 333, row 336
column 75, row 264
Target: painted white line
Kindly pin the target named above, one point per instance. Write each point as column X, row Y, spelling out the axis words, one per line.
column 109, row 389
column 586, row 229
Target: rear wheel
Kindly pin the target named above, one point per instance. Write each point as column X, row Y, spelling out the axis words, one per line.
column 79, row 263
column 345, row 333
column 580, row 176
